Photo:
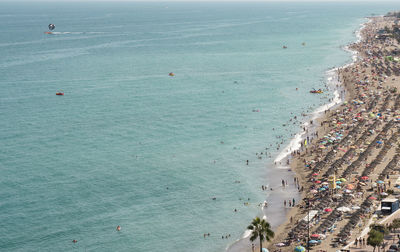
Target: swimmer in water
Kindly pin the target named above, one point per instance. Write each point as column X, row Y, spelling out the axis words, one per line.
column 118, row 228
column 74, row 241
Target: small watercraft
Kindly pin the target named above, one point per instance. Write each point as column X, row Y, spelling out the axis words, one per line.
column 48, row 32
column 319, row 91
column 59, row 93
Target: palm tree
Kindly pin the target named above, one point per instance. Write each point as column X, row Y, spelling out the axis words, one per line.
column 260, row 229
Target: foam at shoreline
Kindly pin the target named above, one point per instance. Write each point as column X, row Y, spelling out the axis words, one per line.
column 333, row 83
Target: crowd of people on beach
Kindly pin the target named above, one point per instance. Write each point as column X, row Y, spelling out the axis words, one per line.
column 346, row 164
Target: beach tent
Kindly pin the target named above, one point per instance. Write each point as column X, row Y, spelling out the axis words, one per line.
column 299, row 249
column 344, row 209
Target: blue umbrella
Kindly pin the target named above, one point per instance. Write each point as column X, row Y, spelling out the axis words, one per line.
column 338, row 182
column 299, row 249
column 380, row 182
column 314, row 241
column 264, row 250
column 338, row 187
column 379, row 142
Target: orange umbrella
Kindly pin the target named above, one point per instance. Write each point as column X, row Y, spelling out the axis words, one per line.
column 350, row 186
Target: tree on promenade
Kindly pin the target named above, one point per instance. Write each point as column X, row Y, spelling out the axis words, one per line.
column 375, row 238
column 260, row 229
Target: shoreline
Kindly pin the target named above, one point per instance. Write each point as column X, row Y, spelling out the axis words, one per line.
column 347, row 76
column 344, row 96
column 333, row 84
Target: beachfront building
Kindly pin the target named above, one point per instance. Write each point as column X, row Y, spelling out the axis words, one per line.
column 389, row 206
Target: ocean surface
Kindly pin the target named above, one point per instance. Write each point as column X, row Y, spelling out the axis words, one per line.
column 130, row 145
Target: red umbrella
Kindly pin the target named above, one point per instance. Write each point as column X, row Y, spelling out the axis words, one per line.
column 315, row 174
column 315, row 236
column 364, row 178
column 318, row 181
column 328, row 210
column 372, row 197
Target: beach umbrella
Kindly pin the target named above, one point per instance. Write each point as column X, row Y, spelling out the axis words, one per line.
column 281, row 244
column 318, row 181
column 338, row 187
column 325, row 183
column 264, row 250
column 384, row 194
column 315, row 174
column 380, row 182
column 350, row 186
column 372, row 198
column 344, row 209
column 355, row 207
column 314, row 241
column 347, row 191
column 343, row 179
column 364, row 178
column 322, row 189
column 338, row 182
column 313, row 191
column 315, row 236
column 299, row 249
column 328, row 210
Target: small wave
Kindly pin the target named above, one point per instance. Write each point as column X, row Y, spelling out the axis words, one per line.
column 246, row 233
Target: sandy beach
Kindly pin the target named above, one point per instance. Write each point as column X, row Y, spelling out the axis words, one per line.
column 350, row 161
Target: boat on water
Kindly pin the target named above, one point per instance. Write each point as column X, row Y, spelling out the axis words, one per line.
column 51, row 28
column 319, row 91
column 59, row 93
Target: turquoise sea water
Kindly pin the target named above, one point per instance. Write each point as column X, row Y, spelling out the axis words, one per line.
column 129, row 145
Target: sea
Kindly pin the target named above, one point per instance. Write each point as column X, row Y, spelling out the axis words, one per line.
column 174, row 115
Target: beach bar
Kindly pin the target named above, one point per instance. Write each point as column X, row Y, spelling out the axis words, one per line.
column 389, row 206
